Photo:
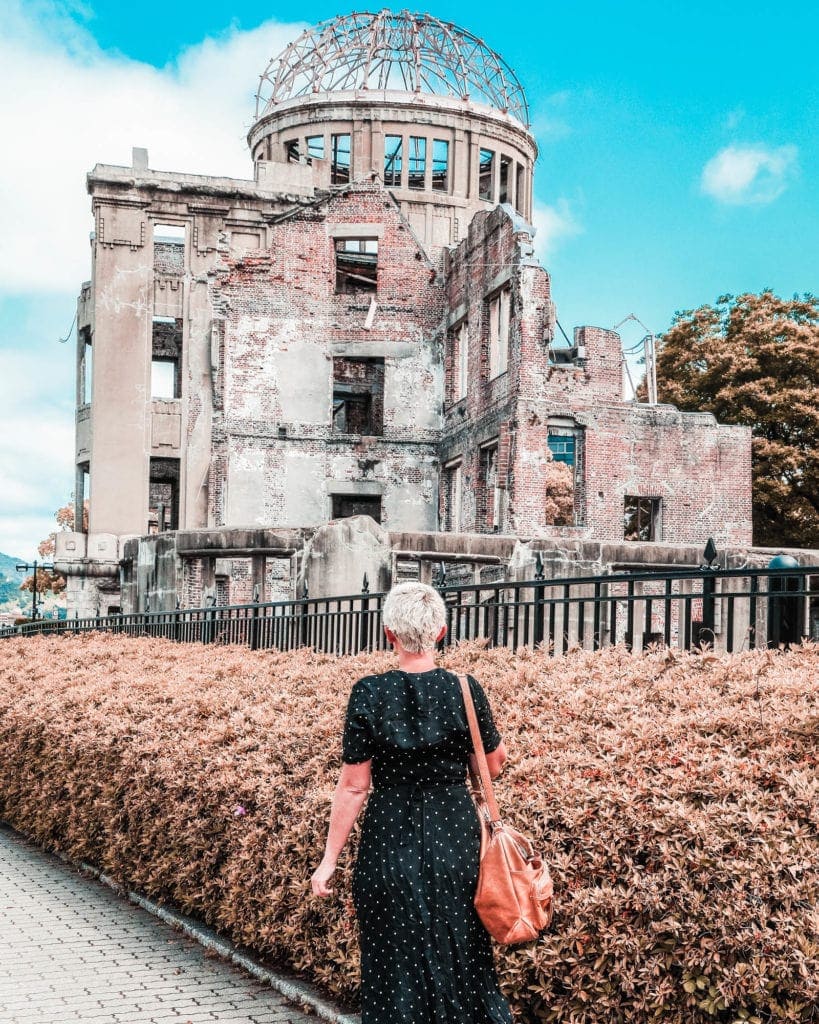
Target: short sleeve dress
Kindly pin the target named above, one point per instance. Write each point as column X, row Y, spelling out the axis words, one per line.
column 426, row 957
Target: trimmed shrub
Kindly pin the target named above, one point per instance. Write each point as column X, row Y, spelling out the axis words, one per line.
column 674, row 795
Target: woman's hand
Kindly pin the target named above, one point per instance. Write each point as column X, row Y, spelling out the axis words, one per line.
column 321, row 877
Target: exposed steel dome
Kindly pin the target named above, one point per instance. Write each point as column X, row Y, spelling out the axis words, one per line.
column 391, row 51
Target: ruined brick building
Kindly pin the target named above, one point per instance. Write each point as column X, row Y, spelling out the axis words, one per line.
column 361, row 328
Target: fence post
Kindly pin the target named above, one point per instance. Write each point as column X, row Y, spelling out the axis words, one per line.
column 364, row 625
column 539, row 590
column 708, row 608
column 254, row 622
column 303, row 618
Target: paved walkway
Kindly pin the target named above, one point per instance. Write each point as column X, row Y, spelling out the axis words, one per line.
column 72, row 949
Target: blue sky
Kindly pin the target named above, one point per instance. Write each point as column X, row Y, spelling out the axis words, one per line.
column 678, row 162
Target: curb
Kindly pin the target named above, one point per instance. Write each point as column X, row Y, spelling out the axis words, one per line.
column 301, row 993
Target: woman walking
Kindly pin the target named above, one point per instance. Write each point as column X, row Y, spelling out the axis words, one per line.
column 426, row 958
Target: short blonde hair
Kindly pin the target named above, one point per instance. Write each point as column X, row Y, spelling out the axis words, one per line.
column 415, row 612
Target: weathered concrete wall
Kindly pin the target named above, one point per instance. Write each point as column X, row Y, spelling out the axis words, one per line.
column 277, row 457
column 341, row 553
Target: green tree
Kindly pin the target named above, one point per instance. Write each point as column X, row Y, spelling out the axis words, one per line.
column 754, row 360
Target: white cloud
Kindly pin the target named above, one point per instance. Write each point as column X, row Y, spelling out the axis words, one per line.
column 552, row 225
column 68, row 105
column 749, row 174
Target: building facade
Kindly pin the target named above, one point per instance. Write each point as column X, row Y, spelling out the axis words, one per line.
column 360, row 329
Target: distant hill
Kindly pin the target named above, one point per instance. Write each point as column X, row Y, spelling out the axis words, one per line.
column 10, row 579
column 8, row 567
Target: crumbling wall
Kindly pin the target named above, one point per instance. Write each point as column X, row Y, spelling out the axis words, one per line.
column 285, row 452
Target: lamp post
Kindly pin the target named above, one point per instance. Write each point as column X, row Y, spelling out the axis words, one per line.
column 26, row 567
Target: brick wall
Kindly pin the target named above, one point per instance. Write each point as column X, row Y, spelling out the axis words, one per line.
column 699, row 469
column 284, row 329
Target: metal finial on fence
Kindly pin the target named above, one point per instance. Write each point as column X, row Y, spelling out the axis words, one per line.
column 538, row 566
column 365, row 585
column 441, row 580
column 306, row 594
column 256, row 593
column 178, row 604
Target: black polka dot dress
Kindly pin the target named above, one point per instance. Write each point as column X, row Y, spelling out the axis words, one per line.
column 426, row 957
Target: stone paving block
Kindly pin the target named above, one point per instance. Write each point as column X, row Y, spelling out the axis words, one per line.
column 73, row 950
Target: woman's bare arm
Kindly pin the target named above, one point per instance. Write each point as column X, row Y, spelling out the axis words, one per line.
column 351, row 792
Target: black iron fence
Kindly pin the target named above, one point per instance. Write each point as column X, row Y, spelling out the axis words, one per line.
column 729, row 609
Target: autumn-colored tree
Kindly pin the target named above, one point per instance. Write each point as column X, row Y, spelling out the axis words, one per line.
column 754, row 359
column 558, row 499
column 47, row 580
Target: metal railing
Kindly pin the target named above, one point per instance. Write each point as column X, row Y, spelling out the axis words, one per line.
column 728, row 609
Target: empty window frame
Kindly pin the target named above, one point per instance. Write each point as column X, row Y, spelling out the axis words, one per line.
column 485, row 174
column 166, row 357
column 358, row 396
column 393, row 160
column 453, row 497
column 315, row 148
column 488, row 494
column 519, row 189
column 505, row 179
column 86, row 366
column 163, row 495
column 339, row 159
column 417, row 163
column 169, row 248
column 562, row 447
column 356, row 265
column 460, row 360
column 346, row 505
column 499, row 309
column 291, row 149
column 82, row 497
column 440, row 165
column 641, row 518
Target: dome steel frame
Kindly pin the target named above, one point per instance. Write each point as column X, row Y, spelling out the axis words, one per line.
column 391, row 51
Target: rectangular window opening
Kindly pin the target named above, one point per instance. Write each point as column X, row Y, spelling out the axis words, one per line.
column 519, row 196
column 358, row 396
column 417, row 164
column 641, row 518
column 86, row 365
column 488, row 495
column 340, row 159
column 461, row 361
column 163, row 378
column 356, row 265
column 169, row 248
column 499, row 320
column 453, row 489
column 487, row 158
column 393, row 155
column 166, row 358
column 315, row 148
column 505, row 179
column 562, row 447
column 346, row 505
column 173, row 234
column 440, row 165
column 291, row 149
column 163, row 495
